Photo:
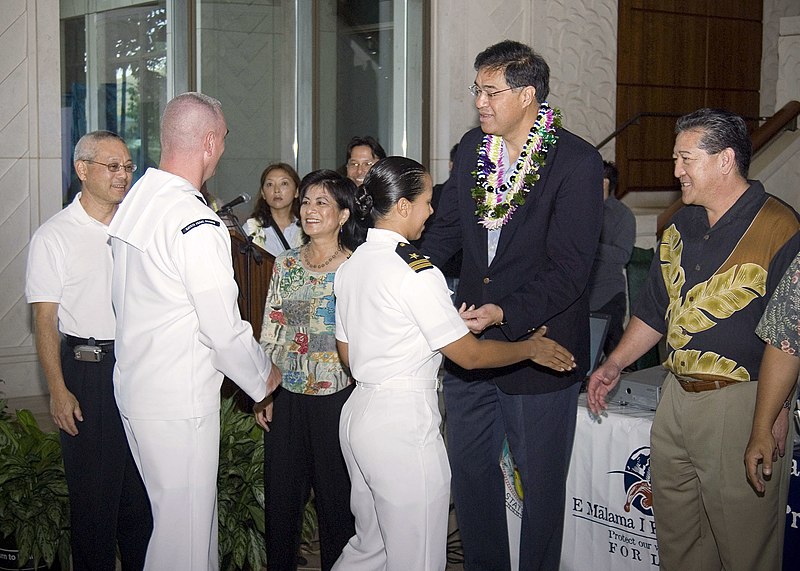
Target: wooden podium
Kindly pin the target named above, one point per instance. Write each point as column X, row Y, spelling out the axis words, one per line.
column 252, row 270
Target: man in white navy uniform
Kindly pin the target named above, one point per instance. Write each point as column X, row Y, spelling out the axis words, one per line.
column 178, row 330
column 68, row 284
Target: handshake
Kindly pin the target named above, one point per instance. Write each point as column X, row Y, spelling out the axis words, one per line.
column 263, row 409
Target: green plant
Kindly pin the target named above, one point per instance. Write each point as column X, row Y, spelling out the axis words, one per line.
column 240, row 496
column 34, row 507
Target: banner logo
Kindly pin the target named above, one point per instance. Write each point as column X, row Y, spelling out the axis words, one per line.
column 639, row 493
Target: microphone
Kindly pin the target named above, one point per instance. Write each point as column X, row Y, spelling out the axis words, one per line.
column 235, row 202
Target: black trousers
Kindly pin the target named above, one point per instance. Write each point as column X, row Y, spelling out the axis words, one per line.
column 301, row 452
column 540, row 431
column 107, row 499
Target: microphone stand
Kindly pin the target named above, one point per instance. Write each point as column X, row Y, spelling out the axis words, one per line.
column 249, row 251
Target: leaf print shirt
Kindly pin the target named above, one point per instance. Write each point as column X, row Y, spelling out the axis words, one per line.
column 709, row 286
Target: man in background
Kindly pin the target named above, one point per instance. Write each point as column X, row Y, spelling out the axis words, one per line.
column 607, row 285
column 69, row 285
column 362, row 153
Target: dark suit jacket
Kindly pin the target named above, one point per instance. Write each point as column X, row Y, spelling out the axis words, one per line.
column 543, row 260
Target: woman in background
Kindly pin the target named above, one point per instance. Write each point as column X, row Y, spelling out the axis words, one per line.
column 274, row 222
column 394, row 320
column 301, row 443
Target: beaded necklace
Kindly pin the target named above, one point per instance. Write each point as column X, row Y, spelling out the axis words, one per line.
column 496, row 201
column 323, row 264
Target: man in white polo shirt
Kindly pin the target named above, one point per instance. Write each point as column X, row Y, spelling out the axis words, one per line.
column 69, row 286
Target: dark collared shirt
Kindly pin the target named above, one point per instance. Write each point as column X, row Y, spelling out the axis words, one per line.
column 711, row 316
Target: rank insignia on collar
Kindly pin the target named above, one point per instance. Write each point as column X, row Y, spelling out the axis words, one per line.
column 413, row 257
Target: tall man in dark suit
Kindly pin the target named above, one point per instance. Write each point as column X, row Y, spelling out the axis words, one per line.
column 525, row 203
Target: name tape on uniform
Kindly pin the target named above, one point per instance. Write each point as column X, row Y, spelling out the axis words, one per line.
column 197, row 223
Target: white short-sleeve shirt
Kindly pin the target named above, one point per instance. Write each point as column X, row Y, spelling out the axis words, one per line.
column 393, row 317
column 268, row 239
column 69, row 263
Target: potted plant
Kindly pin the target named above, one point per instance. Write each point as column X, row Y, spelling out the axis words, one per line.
column 240, row 496
column 34, row 507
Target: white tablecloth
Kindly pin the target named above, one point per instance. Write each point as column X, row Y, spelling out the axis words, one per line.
column 608, row 521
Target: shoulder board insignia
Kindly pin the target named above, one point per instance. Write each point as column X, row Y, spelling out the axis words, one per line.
column 413, row 257
column 197, row 223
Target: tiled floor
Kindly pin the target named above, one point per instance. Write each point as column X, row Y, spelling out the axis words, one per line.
column 39, row 406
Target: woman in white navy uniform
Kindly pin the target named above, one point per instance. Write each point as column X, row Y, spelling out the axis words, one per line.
column 394, row 320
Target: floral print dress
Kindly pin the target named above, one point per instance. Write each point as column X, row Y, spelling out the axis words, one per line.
column 780, row 324
column 299, row 327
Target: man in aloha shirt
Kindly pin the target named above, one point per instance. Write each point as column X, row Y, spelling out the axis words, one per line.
column 717, row 264
column 780, row 329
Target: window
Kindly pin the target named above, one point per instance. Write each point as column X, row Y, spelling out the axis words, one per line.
column 297, row 78
column 114, row 78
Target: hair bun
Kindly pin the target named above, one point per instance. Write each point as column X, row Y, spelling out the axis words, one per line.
column 363, row 202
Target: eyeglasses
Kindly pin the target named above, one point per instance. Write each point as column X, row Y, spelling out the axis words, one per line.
column 114, row 167
column 356, row 164
column 477, row 91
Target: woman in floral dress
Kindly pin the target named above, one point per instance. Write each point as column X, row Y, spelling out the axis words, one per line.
column 302, row 449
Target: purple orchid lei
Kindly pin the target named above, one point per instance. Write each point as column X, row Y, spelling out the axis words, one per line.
column 497, row 201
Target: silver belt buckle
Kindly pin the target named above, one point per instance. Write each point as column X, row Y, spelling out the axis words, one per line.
column 88, row 353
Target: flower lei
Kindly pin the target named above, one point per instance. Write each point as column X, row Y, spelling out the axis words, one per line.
column 497, row 201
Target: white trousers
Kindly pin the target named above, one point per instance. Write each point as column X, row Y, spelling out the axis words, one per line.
column 178, row 460
column 399, row 475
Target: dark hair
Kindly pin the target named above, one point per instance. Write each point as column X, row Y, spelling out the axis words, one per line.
column 388, row 181
column 453, row 152
column 720, row 129
column 343, row 191
column 520, row 64
column 612, row 174
column 262, row 212
column 367, row 141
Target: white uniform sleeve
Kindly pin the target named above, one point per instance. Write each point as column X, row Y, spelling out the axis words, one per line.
column 426, row 300
column 341, row 334
column 43, row 279
column 204, row 261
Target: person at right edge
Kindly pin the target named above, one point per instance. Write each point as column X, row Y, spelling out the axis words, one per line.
column 529, row 223
column 718, row 262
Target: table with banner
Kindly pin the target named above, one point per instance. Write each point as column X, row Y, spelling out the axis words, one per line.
column 608, row 523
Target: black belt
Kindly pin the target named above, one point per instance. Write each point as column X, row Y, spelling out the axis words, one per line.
column 104, row 344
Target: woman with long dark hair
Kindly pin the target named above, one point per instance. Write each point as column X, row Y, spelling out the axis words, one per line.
column 274, row 223
column 301, row 443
